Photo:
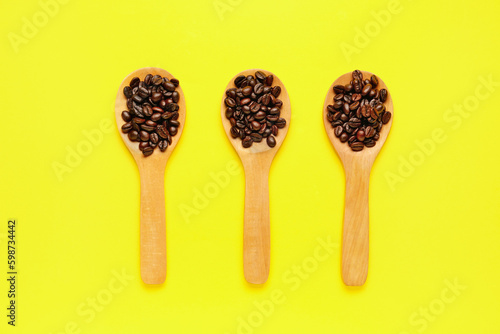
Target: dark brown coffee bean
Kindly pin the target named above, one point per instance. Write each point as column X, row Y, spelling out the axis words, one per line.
column 271, row 141
column 126, row 116
column 154, row 138
column 133, row 135
column 143, row 92
column 162, row 145
column 276, row 91
column 269, row 80
column 360, row 135
column 247, row 142
column 156, row 80
column 143, row 145
column 169, row 86
column 366, row 89
column 127, row 127
column 173, row 130
column 339, row 97
column 369, row 132
column 338, row 104
column 161, row 131
column 144, row 136
column 260, row 76
column 127, row 91
column 230, row 102
column 386, row 117
column 338, row 131
column 239, row 80
column 281, row 123
column 354, row 105
column 138, row 120
column 357, row 146
column 343, row 137
column 175, row 97
column 147, row 111
column 369, row 142
column 256, row 137
column 135, row 82
column 235, row 132
column 346, row 108
column 338, row 89
column 148, row 151
column 383, row 95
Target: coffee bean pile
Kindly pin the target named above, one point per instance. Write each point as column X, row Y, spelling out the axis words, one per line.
column 151, row 118
column 358, row 111
column 253, row 109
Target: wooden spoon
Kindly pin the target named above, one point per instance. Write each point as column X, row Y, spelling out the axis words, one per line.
column 357, row 167
column 256, row 162
column 152, row 172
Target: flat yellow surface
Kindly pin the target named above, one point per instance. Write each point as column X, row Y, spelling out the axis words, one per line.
column 73, row 188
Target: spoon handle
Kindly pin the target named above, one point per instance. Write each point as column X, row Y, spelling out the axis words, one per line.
column 256, row 239
column 153, row 230
column 355, row 234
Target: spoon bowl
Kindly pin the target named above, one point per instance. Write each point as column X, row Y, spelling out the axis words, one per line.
column 357, row 168
column 152, row 172
column 256, row 162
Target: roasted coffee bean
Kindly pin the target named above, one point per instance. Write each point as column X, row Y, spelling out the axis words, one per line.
column 276, row 91
column 135, row 82
column 247, row 142
column 147, row 111
column 360, row 135
column 338, row 131
column 383, row 95
column 338, row 89
column 358, row 111
column 148, row 151
column 139, row 120
column 386, row 117
column 154, row 138
column 143, row 145
column 274, row 130
column 230, row 102
column 162, row 145
column 256, row 137
column 156, row 117
column 269, row 80
column 281, row 123
column 357, row 146
column 127, row 91
column 369, row 132
column 235, row 132
column 144, row 136
column 354, row 105
column 239, row 79
column 126, row 116
column 169, row 86
column 126, row 127
column 271, row 141
column 369, row 142
column 133, row 135
column 260, row 76
column 173, row 130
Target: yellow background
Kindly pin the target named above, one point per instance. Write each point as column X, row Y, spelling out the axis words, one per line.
column 435, row 226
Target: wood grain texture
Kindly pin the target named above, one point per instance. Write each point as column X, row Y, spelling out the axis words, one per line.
column 256, row 162
column 152, row 171
column 357, row 168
